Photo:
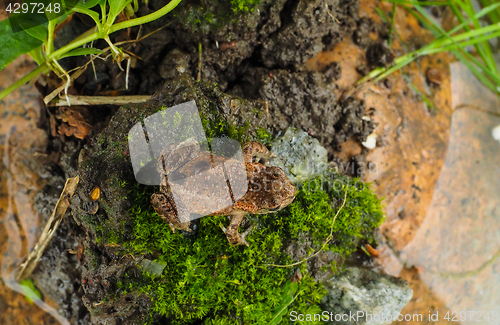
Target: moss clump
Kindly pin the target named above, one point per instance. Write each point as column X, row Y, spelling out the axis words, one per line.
column 215, row 125
column 317, row 202
column 214, row 15
column 207, row 279
column 244, row 5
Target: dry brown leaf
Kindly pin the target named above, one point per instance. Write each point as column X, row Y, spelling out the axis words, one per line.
column 95, row 207
column 52, row 122
column 76, row 121
column 96, row 194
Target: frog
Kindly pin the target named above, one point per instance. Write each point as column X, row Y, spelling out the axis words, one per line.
column 267, row 188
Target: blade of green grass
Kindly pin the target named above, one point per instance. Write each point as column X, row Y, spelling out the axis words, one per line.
column 394, row 7
column 454, row 43
column 382, row 15
column 422, row 3
column 483, row 48
column 408, row 58
column 458, row 51
column 495, row 15
column 425, row 99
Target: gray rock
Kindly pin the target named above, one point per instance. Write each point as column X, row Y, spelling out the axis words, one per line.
column 301, row 156
column 362, row 292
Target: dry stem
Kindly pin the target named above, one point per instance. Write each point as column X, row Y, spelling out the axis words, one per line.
column 101, row 100
column 55, row 219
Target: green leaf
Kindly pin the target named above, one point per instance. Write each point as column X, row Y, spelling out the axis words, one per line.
column 50, row 8
column 84, row 8
column 94, row 15
column 286, row 300
column 115, row 7
column 39, row 32
column 64, row 16
column 13, row 44
column 37, row 54
column 82, row 5
column 30, row 291
column 82, row 51
column 23, row 21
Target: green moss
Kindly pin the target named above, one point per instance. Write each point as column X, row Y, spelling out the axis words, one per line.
column 263, row 135
column 244, row 5
column 202, row 19
column 319, row 199
column 205, row 278
column 216, row 126
column 93, row 258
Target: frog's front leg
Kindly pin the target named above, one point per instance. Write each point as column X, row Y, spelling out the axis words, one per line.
column 256, row 150
column 165, row 207
column 232, row 234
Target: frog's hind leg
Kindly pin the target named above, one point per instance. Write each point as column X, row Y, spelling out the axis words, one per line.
column 166, row 208
column 232, row 234
column 256, row 150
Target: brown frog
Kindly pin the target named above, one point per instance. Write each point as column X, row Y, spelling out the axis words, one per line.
column 266, row 189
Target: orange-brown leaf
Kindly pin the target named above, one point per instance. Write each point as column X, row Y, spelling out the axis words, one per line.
column 76, row 121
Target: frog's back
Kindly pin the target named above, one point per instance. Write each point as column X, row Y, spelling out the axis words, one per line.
column 202, row 184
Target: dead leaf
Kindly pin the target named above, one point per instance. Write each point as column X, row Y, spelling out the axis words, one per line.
column 75, row 121
column 95, row 207
column 434, row 76
column 55, row 219
column 52, row 122
column 96, row 194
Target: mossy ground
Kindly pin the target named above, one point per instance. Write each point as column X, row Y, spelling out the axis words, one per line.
column 206, row 279
column 244, row 5
column 199, row 17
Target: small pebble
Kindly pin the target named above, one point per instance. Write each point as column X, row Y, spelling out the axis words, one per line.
column 371, row 141
column 496, row 133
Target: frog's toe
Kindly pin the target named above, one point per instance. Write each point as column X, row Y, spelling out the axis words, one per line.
column 243, row 236
column 231, row 234
column 234, row 238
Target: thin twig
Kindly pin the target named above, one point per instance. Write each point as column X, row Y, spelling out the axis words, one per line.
column 328, row 239
column 331, row 14
column 199, row 62
column 102, row 100
column 53, row 94
column 55, row 219
column 68, row 80
column 127, row 73
column 142, row 37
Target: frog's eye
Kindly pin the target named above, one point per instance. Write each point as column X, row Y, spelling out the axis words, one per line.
column 276, row 208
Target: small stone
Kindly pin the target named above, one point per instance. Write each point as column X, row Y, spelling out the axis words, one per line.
column 495, row 133
column 371, row 141
column 364, row 291
column 300, row 156
column 434, row 76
